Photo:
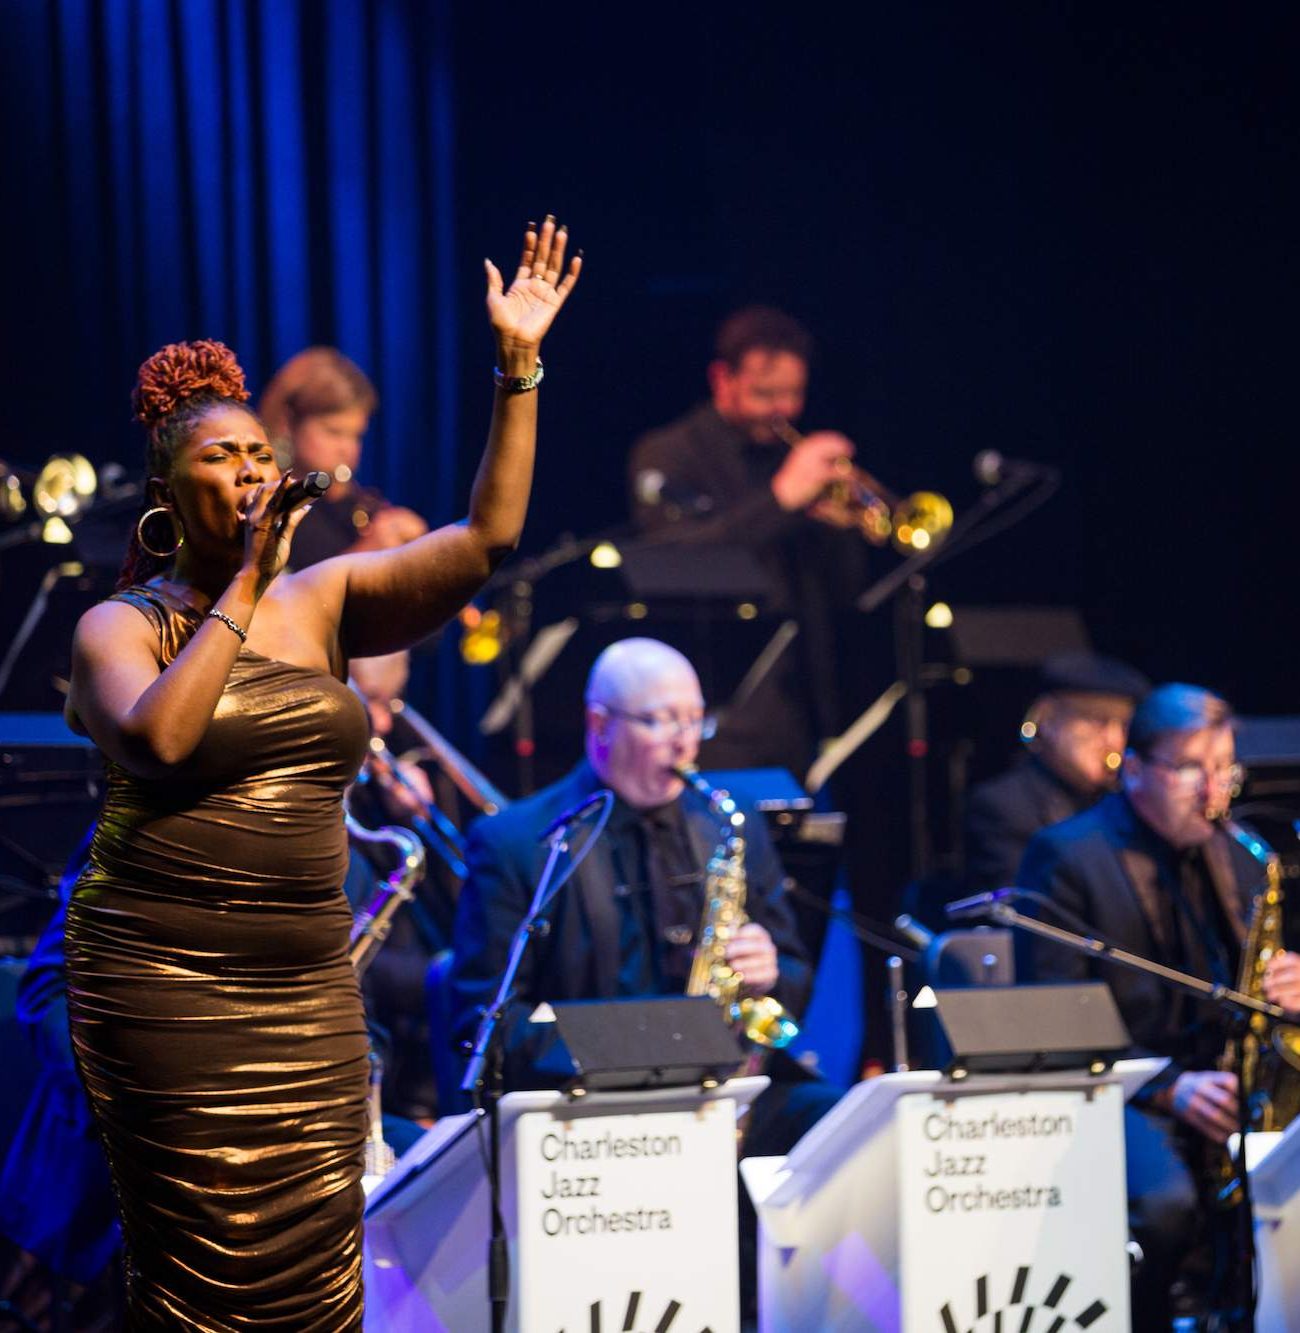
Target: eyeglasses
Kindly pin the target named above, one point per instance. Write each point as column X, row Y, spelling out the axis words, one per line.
column 1189, row 774
column 661, row 726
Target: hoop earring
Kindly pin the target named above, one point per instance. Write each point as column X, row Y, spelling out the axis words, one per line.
column 139, row 532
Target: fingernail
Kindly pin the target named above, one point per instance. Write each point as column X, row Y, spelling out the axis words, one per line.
column 564, row 226
column 550, row 217
column 532, row 226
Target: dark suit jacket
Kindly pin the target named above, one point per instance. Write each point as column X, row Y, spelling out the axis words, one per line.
column 814, row 571
column 579, row 958
column 702, row 458
column 1002, row 815
column 1099, row 866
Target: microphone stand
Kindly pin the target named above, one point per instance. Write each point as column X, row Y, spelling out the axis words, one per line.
column 867, row 932
column 484, row 1079
column 485, row 1076
column 1240, row 1008
column 873, row 936
column 908, row 578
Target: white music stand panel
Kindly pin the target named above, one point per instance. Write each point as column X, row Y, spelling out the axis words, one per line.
column 427, row 1223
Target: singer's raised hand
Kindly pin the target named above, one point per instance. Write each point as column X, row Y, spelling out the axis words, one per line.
column 522, row 313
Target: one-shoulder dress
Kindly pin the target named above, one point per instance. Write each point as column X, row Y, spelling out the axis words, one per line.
column 215, row 1018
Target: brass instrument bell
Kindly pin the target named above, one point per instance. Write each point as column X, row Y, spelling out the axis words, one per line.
column 859, row 501
column 63, row 488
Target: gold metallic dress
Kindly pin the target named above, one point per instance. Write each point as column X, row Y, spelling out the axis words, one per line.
column 215, row 1017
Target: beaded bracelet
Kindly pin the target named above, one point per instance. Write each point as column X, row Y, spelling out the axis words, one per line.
column 214, row 614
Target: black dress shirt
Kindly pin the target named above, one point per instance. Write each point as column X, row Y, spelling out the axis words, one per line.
column 660, row 898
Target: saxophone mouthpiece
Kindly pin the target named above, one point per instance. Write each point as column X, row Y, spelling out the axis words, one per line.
column 692, row 777
column 719, row 801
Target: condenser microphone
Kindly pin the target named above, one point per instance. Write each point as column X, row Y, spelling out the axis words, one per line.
column 574, row 812
column 913, row 931
column 978, row 904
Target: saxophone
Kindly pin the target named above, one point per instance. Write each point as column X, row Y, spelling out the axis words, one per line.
column 370, row 929
column 762, row 1019
column 372, row 923
column 1268, row 1061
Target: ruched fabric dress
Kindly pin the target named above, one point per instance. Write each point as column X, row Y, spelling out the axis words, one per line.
column 215, row 1017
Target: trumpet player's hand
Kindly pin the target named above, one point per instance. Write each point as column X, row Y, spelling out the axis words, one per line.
column 394, row 525
column 752, row 954
column 1207, row 1101
column 1282, row 981
column 522, row 312
column 816, row 461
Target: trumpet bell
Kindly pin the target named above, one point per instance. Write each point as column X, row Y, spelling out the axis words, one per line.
column 922, row 520
column 64, row 486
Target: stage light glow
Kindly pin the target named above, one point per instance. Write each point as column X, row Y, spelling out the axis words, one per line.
column 605, row 555
column 939, row 616
column 1028, row 730
column 56, row 532
column 482, row 636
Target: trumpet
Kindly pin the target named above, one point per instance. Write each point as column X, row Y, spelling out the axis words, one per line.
column 39, row 506
column 859, row 501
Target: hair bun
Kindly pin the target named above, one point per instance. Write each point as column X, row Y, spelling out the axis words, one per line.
column 185, row 370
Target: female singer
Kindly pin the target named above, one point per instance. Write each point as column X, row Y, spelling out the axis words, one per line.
column 215, row 1018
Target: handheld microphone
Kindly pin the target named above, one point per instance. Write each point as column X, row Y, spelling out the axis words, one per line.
column 992, row 468
column 574, row 812
column 302, row 490
column 978, row 904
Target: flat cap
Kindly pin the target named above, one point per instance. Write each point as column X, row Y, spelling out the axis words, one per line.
column 1091, row 673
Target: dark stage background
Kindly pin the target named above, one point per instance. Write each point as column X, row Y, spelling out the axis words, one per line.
column 1063, row 231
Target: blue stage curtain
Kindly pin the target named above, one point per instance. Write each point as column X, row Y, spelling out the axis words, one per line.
column 272, row 174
